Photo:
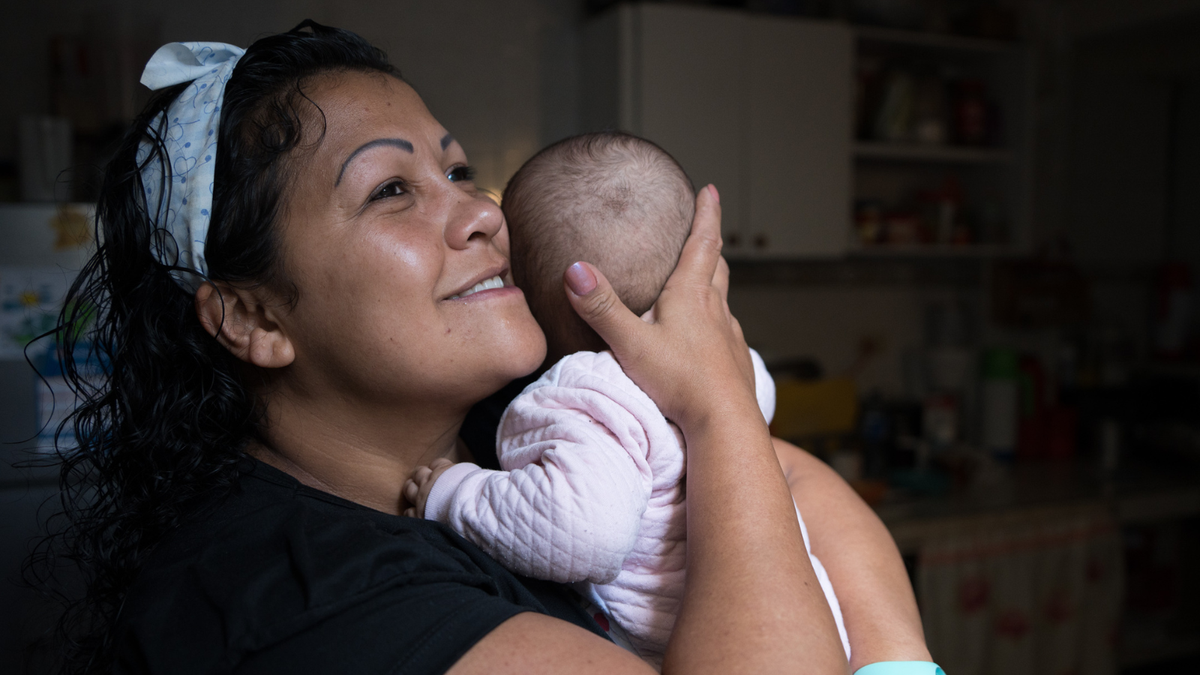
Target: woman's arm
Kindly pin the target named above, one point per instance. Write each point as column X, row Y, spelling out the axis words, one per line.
column 536, row 644
column 751, row 602
column 863, row 563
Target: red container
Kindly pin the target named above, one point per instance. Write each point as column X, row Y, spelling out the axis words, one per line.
column 971, row 113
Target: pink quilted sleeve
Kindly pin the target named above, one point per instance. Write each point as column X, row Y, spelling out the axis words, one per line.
column 575, row 448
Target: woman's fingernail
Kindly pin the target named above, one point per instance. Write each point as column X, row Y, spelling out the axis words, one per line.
column 716, row 195
column 580, row 279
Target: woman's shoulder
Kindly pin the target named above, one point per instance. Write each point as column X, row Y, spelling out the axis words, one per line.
column 281, row 576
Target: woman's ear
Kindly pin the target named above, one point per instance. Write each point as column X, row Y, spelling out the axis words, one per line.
column 245, row 324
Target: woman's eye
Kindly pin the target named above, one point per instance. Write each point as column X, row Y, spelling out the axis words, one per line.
column 461, row 173
column 392, row 189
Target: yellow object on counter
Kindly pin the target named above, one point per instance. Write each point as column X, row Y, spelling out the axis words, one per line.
column 814, row 408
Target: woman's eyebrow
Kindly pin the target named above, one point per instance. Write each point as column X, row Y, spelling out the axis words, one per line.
column 394, row 142
column 447, row 140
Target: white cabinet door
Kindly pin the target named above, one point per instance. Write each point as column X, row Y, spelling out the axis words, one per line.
column 760, row 107
column 800, row 112
column 691, row 91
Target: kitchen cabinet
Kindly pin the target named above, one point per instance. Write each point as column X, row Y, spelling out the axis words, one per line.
column 759, row 106
column 780, row 113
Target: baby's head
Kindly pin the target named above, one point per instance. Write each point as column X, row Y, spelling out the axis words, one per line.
column 614, row 200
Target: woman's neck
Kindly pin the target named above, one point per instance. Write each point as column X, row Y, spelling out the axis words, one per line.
column 360, row 455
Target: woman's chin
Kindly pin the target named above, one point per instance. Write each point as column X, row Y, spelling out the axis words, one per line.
column 528, row 350
column 518, row 351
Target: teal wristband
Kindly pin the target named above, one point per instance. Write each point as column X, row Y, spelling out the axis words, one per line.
column 901, row 668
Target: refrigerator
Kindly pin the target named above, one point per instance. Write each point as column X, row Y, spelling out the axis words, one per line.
column 42, row 248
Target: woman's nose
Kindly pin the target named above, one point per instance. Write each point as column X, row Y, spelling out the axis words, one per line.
column 473, row 218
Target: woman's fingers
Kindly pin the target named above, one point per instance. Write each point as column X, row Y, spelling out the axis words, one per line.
column 702, row 250
column 597, row 303
column 720, row 278
column 721, row 283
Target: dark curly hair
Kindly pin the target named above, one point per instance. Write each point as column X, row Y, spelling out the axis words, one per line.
column 161, row 431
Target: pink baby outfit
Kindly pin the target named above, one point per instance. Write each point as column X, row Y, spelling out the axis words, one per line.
column 592, row 491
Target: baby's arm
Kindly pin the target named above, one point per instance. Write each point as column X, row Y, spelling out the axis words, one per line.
column 568, row 506
column 882, row 622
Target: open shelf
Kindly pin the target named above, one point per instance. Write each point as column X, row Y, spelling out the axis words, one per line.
column 948, row 154
column 953, row 251
column 932, row 40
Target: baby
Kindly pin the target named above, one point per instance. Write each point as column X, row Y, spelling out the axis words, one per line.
column 592, row 490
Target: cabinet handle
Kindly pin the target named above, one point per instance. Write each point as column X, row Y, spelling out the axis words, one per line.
column 760, row 241
column 733, row 240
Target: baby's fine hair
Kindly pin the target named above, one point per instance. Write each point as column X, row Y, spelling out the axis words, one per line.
column 609, row 198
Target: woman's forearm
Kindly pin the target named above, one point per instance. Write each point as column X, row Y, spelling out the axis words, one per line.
column 880, row 612
column 752, row 603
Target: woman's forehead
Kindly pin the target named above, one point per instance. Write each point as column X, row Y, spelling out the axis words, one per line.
column 362, row 107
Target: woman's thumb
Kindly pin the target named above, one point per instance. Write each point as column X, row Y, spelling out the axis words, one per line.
column 597, row 303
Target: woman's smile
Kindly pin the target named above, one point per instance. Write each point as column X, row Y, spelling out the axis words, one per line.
column 486, row 284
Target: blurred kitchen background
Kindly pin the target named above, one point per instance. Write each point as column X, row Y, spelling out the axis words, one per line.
column 965, row 235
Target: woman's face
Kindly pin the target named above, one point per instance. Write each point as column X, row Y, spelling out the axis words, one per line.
column 388, row 241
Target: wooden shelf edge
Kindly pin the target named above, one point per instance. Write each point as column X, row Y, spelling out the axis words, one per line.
column 912, row 152
column 935, row 40
column 936, row 251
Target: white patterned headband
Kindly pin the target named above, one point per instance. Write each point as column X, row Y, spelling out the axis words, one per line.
column 188, row 132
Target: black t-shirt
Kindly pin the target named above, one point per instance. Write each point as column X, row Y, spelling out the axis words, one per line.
column 282, row 578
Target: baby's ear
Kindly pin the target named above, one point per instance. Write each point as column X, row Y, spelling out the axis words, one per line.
column 246, row 323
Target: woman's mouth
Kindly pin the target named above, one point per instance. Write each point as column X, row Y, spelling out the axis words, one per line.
column 486, row 284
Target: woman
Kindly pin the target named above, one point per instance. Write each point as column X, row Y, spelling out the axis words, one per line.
column 280, row 354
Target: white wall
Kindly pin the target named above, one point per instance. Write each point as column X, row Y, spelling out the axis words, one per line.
column 502, row 76
column 827, row 323
column 1117, row 191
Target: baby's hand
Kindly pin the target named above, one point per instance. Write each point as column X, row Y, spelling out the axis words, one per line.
column 418, row 485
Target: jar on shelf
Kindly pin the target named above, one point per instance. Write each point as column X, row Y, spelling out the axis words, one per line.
column 868, row 220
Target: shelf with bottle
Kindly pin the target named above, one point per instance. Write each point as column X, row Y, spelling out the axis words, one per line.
column 936, row 96
column 930, row 213
column 923, row 109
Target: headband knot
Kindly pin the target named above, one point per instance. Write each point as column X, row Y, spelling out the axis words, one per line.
column 178, row 185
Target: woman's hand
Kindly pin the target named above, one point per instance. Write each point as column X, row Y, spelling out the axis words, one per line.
column 692, row 360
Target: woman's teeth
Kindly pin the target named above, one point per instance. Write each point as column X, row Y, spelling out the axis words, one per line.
column 494, row 282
